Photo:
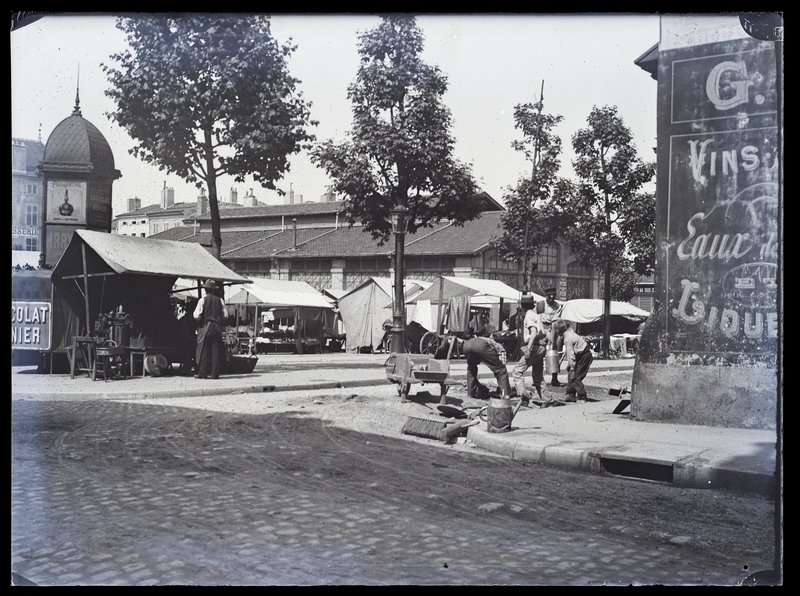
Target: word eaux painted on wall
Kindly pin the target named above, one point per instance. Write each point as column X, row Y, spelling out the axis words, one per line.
column 732, row 322
column 30, row 325
column 722, row 246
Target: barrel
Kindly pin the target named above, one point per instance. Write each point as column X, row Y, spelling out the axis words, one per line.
column 552, row 362
column 499, row 414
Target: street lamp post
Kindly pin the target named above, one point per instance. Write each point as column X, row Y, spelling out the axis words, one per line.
column 399, row 217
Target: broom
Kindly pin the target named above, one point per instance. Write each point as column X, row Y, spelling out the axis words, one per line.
column 438, row 428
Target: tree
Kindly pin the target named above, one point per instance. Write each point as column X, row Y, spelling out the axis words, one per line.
column 400, row 150
column 208, row 95
column 605, row 215
column 524, row 223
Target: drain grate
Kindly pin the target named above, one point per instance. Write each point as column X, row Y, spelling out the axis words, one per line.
column 637, row 469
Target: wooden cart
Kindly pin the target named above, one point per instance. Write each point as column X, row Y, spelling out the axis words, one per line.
column 408, row 369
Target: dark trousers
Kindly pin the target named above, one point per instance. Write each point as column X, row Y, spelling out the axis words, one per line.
column 212, row 354
column 476, row 351
column 575, row 377
column 535, row 361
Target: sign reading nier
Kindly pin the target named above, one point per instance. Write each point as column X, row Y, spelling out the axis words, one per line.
column 722, row 215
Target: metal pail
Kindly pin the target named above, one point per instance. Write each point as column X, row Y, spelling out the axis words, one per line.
column 552, row 362
column 499, row 414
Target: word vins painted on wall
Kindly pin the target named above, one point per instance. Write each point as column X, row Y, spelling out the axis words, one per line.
column 30, row 325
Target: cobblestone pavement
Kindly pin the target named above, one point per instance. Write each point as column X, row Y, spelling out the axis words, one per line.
column 107, row 493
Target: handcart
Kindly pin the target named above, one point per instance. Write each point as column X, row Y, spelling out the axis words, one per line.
column 408, row 369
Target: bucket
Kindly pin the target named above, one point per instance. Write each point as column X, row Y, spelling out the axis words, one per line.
column 552, row 362
column 499, row 414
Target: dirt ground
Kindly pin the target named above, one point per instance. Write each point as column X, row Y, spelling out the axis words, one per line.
column 316, row 430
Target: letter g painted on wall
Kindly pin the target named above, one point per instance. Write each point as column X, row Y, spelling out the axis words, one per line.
column 740, row 86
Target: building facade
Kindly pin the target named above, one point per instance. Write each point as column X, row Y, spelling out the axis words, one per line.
column 27, row 195
column 313, row 242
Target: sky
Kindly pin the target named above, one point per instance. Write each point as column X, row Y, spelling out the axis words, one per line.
column 492, row 63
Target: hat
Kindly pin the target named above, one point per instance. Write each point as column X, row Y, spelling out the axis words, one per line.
column 210, row 284
column 549, row 291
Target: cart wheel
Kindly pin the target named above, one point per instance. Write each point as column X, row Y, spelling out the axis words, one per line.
column 429, row 343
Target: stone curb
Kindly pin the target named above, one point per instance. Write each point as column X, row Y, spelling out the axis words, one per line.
column 685, row 473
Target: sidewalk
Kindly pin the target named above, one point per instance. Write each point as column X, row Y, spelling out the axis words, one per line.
column 582, row 436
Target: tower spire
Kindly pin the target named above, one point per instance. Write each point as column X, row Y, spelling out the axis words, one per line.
column 77, row 110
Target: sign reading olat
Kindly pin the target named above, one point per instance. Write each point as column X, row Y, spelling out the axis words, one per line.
column 30, row 325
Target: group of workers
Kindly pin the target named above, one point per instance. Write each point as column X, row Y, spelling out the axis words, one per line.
column 541, row 327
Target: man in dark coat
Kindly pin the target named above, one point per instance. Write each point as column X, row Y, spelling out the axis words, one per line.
column 210, row 315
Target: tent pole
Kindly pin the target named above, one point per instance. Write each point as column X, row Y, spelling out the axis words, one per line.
column 439, row 330
column 86, row 287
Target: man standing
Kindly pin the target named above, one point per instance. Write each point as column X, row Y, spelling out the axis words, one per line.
column 210, row 314
column 579, row 358
column 533, row 351
column 549, row 312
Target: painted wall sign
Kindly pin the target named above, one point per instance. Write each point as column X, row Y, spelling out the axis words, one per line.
column 30, row 325
column 733, row 85
column 98, row 207
column 720, row 234
column 57, row 239
column 66, row 201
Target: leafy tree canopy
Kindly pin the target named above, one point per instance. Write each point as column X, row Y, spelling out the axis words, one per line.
column 605, row 214
column 208, row 95
column 400, row 150
column 525, row 225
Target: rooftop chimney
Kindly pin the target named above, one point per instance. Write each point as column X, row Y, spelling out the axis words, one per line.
column 134, row 204
column 291, row 194
column 167, row 196
column 202, row 203
column 234, row 196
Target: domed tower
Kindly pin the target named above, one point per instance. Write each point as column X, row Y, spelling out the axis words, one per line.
column 78, row 171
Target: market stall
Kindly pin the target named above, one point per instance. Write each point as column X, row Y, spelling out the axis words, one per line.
column 461, row 302
column 367, row 310
column 117, row 290
column 586, row 315
column 284, row 316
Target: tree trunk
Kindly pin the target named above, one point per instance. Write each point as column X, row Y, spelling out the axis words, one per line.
column 213, row 203
column 607, row 310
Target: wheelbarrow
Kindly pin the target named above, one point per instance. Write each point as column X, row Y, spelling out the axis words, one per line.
column 409, row 369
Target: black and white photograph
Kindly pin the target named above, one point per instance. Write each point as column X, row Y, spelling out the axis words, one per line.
column 435, row 299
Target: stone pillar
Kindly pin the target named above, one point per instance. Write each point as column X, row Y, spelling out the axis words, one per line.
column 337, row 274
column 709, row 351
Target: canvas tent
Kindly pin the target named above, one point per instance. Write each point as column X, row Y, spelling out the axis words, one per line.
column 365, row 308
column 587, row 315
column 101, row 272
column 585, row 310
column 458, row 294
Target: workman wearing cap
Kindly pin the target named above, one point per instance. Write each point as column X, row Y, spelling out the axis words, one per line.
column 480, row 348
column 549, row 312
column 210, row 314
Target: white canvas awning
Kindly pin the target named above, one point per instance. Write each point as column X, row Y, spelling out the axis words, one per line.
column 586, row 310
column 480, row 291
column 272, row 293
